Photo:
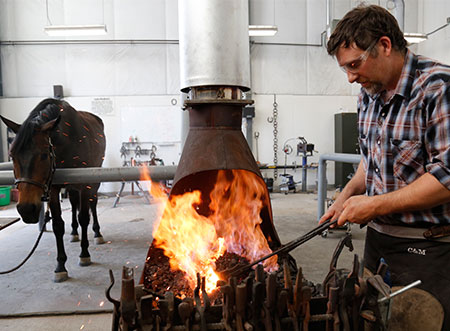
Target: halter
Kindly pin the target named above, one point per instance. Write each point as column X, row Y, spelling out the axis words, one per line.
column 48, row 183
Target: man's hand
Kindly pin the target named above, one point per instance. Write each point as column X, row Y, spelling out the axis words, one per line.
column 354, row 187
column 358, row 209
column 333, row 212
column 425, row 192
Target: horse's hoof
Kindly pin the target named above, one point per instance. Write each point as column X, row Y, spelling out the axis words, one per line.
column 84, row 261
column 74, row 238
column 61, row 276
column 99, row 240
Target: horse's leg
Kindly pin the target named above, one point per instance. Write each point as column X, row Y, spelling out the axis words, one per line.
column 58, row 229
column 98, row 238
column 83, row 219
column 74, row 198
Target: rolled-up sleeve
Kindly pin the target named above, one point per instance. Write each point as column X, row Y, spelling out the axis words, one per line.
column 438, row 134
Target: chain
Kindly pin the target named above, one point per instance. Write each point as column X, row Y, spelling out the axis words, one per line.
column 275, row 136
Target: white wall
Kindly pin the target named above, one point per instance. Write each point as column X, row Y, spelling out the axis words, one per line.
column 434, row 15
column 142, row 76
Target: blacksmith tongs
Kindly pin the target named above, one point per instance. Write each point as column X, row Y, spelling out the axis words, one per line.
column 238, row 269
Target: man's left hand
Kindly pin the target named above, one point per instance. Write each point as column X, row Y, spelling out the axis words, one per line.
column 358, row 209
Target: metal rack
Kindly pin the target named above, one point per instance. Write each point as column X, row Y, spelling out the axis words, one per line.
column 134, row 153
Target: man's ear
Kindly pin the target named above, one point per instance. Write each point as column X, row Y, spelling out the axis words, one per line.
column 386, row 45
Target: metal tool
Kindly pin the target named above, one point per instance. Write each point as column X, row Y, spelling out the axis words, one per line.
column 400, row 291
column 238, row 269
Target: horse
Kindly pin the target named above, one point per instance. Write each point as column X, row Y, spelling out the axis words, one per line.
column 55, row 135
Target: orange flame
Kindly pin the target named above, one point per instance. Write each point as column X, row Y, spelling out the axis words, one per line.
column 193, row 242
column 237, row 203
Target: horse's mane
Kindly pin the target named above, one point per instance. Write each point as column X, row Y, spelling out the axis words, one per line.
column 44, row 112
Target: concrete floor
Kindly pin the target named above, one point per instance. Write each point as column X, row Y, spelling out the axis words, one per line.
column 30, row 299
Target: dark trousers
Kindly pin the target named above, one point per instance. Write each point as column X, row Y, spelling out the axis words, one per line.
column 410, row 260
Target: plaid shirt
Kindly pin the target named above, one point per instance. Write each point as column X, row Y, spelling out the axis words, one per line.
column 408, row 135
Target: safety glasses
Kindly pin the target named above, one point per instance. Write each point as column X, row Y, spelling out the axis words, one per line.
column 354, row 65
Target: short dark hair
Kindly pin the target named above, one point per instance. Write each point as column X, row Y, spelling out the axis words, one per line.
column 363, row 25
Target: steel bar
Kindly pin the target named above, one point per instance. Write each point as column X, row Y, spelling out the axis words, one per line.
column 289, row 166
column 400, row 291
column 304, row 172
column 322, row 184
column 6, row 166
column 98, row 175
column 90, row 42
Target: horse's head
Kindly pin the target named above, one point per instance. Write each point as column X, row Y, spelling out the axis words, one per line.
column 34, row 163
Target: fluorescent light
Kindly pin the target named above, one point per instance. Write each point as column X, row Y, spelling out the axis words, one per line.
column 75, row 30
column 415, row 38
column 262, row 30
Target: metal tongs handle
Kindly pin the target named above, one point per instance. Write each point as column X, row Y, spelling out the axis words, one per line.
column 290, row 245
column 311, row 234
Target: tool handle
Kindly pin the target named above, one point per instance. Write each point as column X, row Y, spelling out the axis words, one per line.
column 311, row 234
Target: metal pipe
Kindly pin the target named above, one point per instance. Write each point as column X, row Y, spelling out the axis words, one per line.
column 304, row 172
column 6, row 166
column 400, row 291
column 98, row 175
column 328, row 14
column 218, row 31
column 288, row 166
column 283, row 44
column 322, row 172
column 90, row 42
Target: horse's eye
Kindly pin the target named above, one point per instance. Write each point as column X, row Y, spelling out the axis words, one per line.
column 44, row 156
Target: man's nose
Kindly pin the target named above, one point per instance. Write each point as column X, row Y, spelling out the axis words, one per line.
column 351, row 77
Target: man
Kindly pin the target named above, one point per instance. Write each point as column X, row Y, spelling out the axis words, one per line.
column 401, row 188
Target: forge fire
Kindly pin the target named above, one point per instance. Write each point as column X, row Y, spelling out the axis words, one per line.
column 194, row 241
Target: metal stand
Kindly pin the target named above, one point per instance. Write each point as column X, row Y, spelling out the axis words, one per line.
column 122, row 186
column 304, row 149
column 133, row 146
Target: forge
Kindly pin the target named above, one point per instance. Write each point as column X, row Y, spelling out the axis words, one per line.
column 218, row 214
column 219, row 205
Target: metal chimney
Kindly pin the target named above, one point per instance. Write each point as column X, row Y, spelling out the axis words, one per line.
column 215, row 73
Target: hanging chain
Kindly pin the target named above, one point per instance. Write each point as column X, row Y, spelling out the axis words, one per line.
column 275, row 136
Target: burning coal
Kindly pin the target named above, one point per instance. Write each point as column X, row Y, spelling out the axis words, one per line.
column 193, row 242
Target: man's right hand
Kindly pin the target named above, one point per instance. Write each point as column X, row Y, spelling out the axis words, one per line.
column 333, row 212
column 354, row 187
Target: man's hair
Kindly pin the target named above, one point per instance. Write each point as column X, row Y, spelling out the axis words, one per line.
column 364, row 25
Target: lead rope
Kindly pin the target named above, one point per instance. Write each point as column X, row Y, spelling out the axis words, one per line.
column 46, row 219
